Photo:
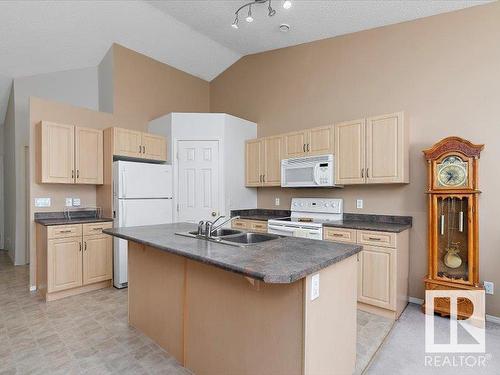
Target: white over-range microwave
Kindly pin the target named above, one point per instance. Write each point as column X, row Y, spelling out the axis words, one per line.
column 308, row 171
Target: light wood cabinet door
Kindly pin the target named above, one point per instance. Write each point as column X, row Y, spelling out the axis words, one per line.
column 376, row 276
column 385, row 148
column 294, row 144
column 154, row 147
column 254, row 162
column 88, row 156
column 350, row 152
column 97, row 259
column 64, row 264
column 273, row 149
column 127, row 143
column 321, row 141
column 56, row 161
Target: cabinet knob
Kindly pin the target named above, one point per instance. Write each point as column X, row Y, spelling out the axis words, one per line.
column 362, row 172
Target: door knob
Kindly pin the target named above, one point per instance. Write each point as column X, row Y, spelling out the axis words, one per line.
column 214, row 214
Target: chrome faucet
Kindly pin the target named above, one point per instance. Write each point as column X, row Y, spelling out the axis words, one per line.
column 209, row 225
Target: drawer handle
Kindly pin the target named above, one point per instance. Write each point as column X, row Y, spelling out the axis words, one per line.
column 66, row 231
column 375, row 238
column 337, row 235
column 100, row 228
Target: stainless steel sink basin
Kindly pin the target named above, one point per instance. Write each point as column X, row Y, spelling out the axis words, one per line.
column 251, row 238
column 221, row 232
column 233, row 237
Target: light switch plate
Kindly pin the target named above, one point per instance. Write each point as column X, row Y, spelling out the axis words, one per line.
column 489, row 287
column 76, row 202
column 69, row 202
column 314, row 287
column 42, row 202
column 359, row 203
column 276, row 201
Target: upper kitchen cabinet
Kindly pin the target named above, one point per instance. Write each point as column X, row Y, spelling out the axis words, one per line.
column 69, row 154
column 387, row 154
column 315, row 141
column 127, row 143
column 88, row 156
column 372, row 150
column 135, row 144
column 263, row 161
column 350, row 152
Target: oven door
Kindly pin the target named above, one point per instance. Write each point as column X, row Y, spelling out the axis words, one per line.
column 295, row 231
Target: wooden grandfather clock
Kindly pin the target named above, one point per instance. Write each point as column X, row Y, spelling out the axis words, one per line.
column 453, row 253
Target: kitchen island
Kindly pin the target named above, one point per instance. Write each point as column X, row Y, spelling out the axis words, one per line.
column 221, row 309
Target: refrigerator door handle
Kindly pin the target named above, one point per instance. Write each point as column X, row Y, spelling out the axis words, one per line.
column 124, row 184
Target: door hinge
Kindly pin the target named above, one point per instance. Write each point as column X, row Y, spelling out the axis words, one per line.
column 177, row 207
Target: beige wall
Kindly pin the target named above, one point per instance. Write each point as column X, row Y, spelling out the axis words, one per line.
column 442, row 70
column 42, row 109
column 148, row 87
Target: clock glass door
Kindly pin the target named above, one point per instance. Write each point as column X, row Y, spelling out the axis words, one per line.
column 452, row 263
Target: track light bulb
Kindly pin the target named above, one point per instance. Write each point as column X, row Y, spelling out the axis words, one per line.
column 235, row 23
column 249, row 17
column 287, row 4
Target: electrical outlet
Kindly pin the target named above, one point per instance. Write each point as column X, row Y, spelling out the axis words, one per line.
column 489, row 287
column 76, row 202
column 314, row 287
column 42, row 202
column 276, row 201
column 359, row 203
column 69, row 202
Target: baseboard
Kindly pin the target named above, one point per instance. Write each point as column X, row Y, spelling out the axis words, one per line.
column 489, row 318
column 492, row 319
column 418, row 301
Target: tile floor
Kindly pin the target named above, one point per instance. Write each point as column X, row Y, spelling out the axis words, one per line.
column 86, row 334
column 89, row 334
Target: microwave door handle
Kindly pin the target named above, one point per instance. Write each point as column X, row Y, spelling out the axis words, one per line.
column 316, row 174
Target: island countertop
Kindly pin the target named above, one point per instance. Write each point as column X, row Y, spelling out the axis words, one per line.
column 283, row 260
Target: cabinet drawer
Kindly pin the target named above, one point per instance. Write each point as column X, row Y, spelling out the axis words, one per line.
column 258, row 226
column 383, row 239
column 63, row 231
column 340, row 235
column 95, row 228
column 240, row 224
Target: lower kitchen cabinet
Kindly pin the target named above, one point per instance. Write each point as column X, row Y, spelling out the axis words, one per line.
column 97, row 259
column 72, row 259
column 250, row 225
column 383, row 267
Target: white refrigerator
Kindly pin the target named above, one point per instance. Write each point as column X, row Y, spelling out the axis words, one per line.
column 142, row 195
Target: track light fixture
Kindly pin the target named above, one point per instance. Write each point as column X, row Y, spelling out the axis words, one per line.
column 249, row 18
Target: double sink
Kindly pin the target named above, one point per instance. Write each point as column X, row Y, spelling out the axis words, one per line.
column 233, row 237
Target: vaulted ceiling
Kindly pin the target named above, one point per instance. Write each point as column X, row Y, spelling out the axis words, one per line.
column 194, row 36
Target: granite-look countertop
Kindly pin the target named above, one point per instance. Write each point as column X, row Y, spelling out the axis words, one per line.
column 368, row 225
column 77, row 217
column 283, row 260
column 379, row 223
column 48, row 222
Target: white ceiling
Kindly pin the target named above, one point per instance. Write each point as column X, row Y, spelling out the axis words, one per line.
column 49, row 36
column 309, row 19
column 194, row 36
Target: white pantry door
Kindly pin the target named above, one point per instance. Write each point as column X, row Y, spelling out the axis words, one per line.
column 198, row 191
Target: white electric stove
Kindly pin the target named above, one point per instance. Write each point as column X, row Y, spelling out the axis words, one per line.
column 307, row 217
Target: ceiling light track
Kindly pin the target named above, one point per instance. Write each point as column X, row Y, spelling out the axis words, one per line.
column 249, row 18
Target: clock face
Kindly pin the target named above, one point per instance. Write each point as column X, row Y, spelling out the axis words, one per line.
column 452, row 172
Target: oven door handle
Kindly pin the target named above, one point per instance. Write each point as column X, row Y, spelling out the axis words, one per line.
column 280, row 228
